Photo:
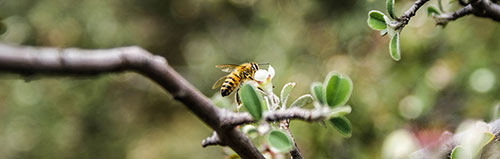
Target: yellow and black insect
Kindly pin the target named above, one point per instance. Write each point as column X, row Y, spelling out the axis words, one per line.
column 237, row 75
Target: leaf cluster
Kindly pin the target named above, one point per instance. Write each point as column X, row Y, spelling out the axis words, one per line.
column 329, row 97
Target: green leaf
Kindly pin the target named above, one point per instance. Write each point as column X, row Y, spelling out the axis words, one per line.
column 342, row 125
column 285, row 92
column 252, row 100
column 317, row 92
column 457, row 152
column 340, row 111
column 250, row 130
column 431, row 11
column 486, row 138
column 279, row 141
column 389, row 4
column 376, row 20
column 3, row 28
column 337, row 89
column 394, row 47
column 302, row 101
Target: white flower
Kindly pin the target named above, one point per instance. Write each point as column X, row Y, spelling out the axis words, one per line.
column 264, row 78
column 264, row 75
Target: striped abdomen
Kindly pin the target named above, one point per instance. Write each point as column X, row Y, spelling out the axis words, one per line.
column 232, row 81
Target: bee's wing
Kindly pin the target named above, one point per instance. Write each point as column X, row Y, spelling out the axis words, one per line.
column 219, row 82
column 227, row 68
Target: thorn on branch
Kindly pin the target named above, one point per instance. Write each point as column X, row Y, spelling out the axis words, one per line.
column 212, row 140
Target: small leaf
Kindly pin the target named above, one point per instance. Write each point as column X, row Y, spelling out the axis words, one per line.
column 486, row 138
column 376, row 20
column 431, row 11
column 302, row 101
column 279, row 141
column 394, row 47
column 317, row 92
column 342, row 125
column 337, row 89
column 252, row 100
column 285, row 92
column 3, row 28
column 250, row 130
column 340, row 111
column 390, row 8
column 455, row 153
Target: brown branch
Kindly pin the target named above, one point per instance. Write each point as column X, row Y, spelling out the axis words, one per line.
column 295, row 152
column 405, row 18
column 36, row 60
column 486, row 8
column 480, row 8
column 444, row 18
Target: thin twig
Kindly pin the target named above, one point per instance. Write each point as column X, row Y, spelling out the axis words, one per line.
column 235, row 119
column 295, row 152
column 405, row 18
column 480, row 8
column 444, row 18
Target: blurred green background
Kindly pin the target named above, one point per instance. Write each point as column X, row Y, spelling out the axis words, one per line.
column 445, row 75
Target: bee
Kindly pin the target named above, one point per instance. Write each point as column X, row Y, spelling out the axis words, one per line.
column 237, row 75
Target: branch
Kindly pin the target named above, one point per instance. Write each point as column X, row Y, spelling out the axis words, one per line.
column 486, row 8
column 35, row 60
column 295, row 152
column 234, row 119
column 405, row 18
column 480, row 8
column 444, row 18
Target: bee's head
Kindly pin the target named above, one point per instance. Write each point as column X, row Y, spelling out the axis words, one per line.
column 254, row 67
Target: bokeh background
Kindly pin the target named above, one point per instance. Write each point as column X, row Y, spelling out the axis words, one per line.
column 445, row 76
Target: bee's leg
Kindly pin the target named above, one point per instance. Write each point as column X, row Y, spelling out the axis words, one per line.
column 245, row 74
column 238, row 97
column 261, row 89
